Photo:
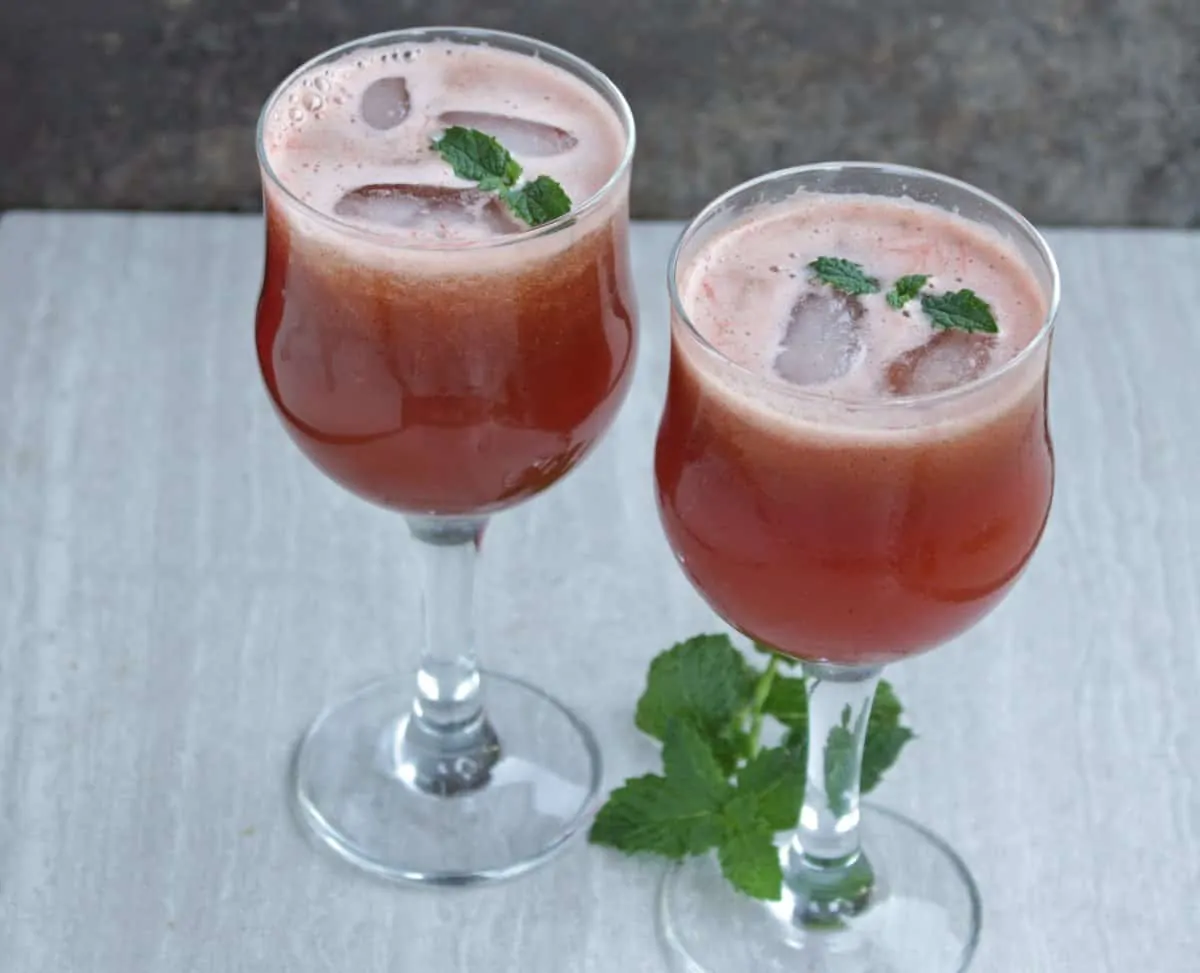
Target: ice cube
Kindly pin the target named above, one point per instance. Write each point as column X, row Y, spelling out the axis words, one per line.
column 385, row 103
column 519, row 135
column 948, row 359
column 822, row 340
column 442, row 211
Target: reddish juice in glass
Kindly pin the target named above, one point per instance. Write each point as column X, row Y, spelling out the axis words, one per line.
column 840, row 479
column 423, row 348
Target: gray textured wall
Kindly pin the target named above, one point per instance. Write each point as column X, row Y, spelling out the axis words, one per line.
column 1078, row 111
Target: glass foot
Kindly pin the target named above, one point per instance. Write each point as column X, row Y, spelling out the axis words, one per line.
column 923, row 917
column 356, row 793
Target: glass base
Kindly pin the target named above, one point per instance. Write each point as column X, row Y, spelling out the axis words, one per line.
column 351, row 790
column 924, row 915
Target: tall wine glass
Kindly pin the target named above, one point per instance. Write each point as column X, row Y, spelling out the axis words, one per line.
column 438, row 360
column 848, row 531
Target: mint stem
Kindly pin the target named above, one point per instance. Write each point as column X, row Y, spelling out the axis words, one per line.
column 762, row 689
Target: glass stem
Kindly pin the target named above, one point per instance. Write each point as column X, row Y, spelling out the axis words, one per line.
column 445, row 746
column 826, row 874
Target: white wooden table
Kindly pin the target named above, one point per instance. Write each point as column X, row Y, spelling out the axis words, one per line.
column 180, row 592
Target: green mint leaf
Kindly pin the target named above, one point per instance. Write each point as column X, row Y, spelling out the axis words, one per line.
column 843, row 275
column 493, row 184
column 689, row 763
column 675, row 815
column 539, row 201
column 796, row 740
column 772, row 652
column 774, row 780
column 700, row 696
column 964, row 310
column 704, row 681
column 477, row 156
column 788, row 702
column 840, row 762
column 747, row 853
column 886, row 737
column 905, row 289
column 653, row 814
column 730, row 748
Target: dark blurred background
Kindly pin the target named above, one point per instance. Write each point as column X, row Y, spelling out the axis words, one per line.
column 1076, row 111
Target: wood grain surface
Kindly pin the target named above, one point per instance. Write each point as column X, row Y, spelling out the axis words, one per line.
column 180, row 592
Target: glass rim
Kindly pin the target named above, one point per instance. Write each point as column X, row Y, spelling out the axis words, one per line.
column 585, row 71
column 891, row 169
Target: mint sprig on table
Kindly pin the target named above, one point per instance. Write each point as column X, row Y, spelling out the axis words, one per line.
column 720, row 787
column 962, row 310
column 477, row 156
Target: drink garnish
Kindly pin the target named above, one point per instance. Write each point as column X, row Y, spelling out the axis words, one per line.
column 843, row 275
column 964, row 310
column 905, row 289
column 477, row 156
column 720, row 788
column 539, row 201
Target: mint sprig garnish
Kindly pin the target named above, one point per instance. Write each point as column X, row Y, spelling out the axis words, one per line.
column 479, row 157
column 964, row 310
column 844, row 275
column 720, row 788
column 476, row 156
column 905, row 289
column 539, row 201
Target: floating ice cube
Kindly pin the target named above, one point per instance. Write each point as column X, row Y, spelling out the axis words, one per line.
column 442, row 211
column 385, row 103
column 822, row 339
column 519, row 135
column 948, row 359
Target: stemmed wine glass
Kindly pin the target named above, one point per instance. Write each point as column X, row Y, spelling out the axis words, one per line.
column 445, row 370
column 848, row 530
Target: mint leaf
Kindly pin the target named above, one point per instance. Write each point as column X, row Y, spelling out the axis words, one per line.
column 885, row 736
column 718, row 790
column 493, row 184
column 747, row 853
column 840, row 763
column 477, row 156
column 963, row 310
column 796, row 739
column 653, row 814
column 675, row 815
column 750, row 860
column 730, row 747
column 905, row 289
column 788, row 701
column 704, row 681
column 690, row 764
column 843, row 275
column 774, row 781
column 539, row 201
